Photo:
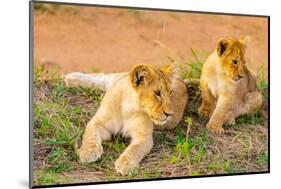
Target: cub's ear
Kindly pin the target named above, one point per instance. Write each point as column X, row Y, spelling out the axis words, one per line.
column 222, row 46
column 140, row 76
column 173, row 70
column 245, row 41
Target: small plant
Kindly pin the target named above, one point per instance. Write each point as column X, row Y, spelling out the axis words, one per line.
column 145, row 174
column 39, row 71
column 194, row 66
column 245, row 119
column 195, row 173
column 262, row 158
column 227, row 167
column 184, row 145
column 200, row 144
column 119, row 145
column 47, row 178
column 262, row 82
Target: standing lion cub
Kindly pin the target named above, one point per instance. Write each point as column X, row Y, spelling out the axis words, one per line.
column 228, row 88
column 133, row 102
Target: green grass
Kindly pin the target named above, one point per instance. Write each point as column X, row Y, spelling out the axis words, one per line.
column 254, row 119
column 59, row 120
column 184, row 146
column 49, row 178
column 262, row 158
column 195, row 65
column 262, row 82
column 61, row 114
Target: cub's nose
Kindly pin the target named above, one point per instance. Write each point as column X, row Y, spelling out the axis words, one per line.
column 168, row 114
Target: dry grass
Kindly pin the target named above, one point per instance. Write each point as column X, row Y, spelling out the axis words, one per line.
column 60, row 115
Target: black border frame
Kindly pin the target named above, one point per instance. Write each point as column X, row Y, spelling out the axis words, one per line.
column 31, row 74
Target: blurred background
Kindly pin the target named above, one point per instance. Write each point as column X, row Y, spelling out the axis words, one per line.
column 96, row 39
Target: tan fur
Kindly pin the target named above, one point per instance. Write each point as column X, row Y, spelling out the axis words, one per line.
column 135, row 102
column 228, row 88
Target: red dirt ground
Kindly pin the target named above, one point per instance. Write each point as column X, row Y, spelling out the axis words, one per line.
column 113, row 40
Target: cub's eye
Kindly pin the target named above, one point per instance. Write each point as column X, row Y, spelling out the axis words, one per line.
column 234, row 62
column 157, row 93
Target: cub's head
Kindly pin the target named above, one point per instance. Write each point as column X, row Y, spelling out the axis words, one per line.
column 154, row 89
column 231, row 53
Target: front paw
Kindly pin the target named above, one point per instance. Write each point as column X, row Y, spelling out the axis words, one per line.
column 230, row 121
column 204, row 112
column 214, row 128
column 72, row 79
column 125, row 166
column 91, row 153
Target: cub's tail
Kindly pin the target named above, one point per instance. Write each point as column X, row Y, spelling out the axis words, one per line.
column 98, row 80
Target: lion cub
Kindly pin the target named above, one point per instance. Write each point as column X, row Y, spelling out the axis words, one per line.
column 227, row 86
column 133, row 102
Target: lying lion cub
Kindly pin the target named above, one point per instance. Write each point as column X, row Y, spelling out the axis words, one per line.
column 132, row 103
column 228, row 88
